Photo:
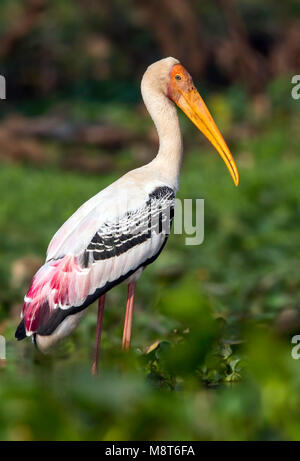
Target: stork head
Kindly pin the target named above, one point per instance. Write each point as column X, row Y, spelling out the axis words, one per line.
column 169, row 77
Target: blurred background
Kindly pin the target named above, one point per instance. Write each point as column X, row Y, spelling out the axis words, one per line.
column 211, row 356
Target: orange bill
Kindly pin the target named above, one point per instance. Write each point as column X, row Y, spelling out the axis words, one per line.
column 184, row 94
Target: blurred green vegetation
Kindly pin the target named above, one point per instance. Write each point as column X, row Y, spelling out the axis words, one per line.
column 211, row 350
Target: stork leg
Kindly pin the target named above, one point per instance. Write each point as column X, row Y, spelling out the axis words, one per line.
column 101, row 302
column 128, row 316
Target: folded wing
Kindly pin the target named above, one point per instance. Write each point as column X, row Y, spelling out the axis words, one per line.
column 103, row 243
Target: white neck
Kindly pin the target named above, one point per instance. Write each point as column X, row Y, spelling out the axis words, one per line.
column 164, row 115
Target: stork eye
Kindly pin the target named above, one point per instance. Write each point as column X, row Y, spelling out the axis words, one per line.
column 177, row 77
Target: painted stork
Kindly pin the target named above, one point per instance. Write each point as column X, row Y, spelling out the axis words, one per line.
column 104, row 242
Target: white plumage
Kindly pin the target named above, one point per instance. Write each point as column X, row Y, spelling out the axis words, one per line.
column 118, row 232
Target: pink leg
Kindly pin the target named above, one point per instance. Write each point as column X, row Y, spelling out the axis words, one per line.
column 101, row 303
column 128, row 316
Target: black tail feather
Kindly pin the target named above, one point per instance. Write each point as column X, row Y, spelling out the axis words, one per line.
column 20, row 331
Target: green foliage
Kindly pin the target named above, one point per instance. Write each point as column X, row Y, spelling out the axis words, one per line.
column 211, row 349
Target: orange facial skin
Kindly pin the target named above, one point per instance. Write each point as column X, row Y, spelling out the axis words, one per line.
column 185, row 84
column 182, row 91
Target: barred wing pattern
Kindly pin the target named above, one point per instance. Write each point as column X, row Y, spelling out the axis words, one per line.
column 68, row 284
column 134, row 228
